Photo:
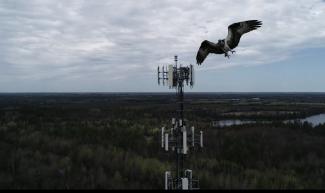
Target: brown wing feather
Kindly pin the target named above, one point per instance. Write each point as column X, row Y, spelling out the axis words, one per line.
column 236, row 30
column 204, row 50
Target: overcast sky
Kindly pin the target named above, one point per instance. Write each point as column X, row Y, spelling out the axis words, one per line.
column 116, row 46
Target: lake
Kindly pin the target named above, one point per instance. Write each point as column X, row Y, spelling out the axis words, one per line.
column 314, row 120
column 231, row 122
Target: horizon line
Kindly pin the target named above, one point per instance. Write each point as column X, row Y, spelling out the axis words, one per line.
column 168, row 92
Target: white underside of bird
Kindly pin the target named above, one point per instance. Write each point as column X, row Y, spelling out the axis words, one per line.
column 227, row 49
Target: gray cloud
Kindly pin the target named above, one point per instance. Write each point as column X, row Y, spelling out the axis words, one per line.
column 76, row 43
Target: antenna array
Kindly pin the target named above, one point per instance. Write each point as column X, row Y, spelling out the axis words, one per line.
column 174, row 75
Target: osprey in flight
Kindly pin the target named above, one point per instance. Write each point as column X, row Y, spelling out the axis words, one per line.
column 235, row 31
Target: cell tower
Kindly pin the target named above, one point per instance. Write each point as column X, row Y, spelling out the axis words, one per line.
column 179, row 137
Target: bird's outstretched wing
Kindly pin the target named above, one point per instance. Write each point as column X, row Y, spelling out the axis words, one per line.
column 204, row 50
column 236, row 30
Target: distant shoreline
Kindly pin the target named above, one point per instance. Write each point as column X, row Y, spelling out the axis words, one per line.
column 170, row 92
